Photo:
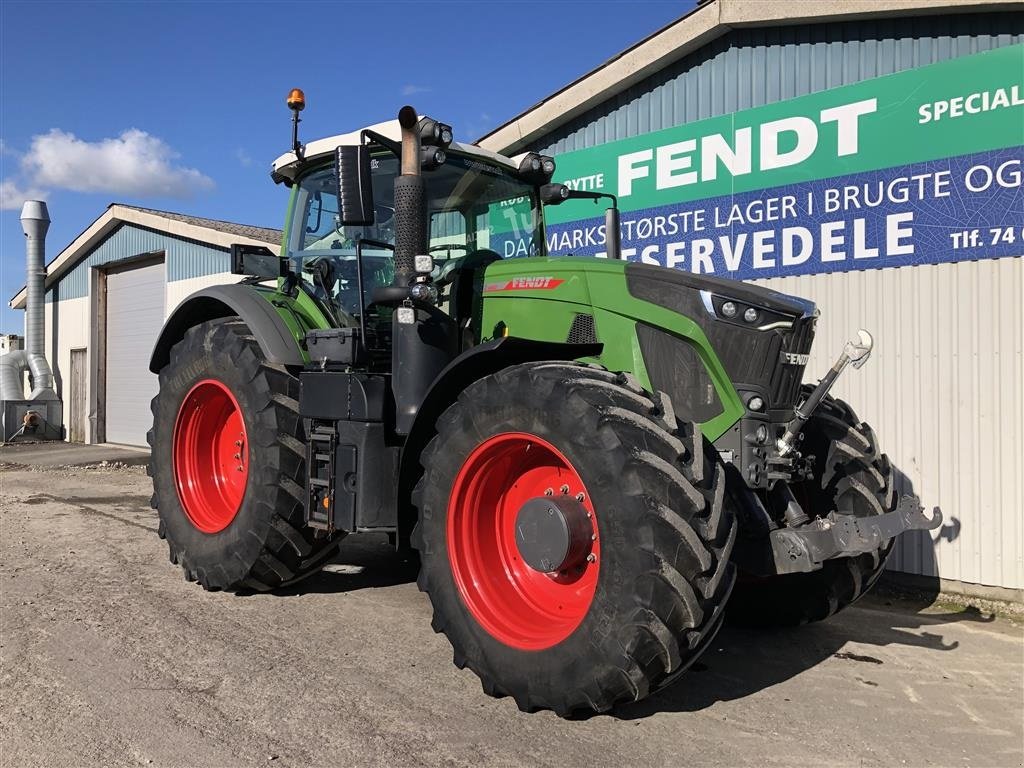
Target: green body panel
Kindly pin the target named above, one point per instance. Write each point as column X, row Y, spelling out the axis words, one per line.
column 538, row 298
column 298, row 313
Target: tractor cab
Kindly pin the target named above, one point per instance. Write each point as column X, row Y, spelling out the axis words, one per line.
column 479, row 207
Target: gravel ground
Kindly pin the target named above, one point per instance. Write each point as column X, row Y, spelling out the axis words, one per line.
column 107, row 657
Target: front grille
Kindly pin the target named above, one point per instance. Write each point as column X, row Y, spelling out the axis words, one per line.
column 786, row 381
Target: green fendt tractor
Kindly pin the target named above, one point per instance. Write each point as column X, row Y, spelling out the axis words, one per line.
column 592, row 458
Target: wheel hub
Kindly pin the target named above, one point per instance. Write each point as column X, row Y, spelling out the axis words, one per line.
column 553, row 533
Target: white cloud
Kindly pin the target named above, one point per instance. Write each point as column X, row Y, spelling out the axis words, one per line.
column 134, row 164
column 412, row 90
column 12, row 196
column 243, row 158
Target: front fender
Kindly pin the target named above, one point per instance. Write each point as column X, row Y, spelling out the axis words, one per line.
column 473, row 364
column 279, row 343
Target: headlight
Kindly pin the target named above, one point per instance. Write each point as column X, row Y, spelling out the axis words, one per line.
column 762, row 434
column 755, row 403
column 747, row 313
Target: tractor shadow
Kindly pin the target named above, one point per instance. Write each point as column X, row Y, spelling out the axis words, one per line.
column 741, row 662
column 364, row 561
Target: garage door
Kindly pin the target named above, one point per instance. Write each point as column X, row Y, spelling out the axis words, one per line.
column 135, row 314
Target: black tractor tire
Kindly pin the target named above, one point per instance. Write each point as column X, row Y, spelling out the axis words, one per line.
column 656, row 488
column 266, row 544
column 850, row 475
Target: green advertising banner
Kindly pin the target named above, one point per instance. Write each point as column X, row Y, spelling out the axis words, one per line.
column 922, row 166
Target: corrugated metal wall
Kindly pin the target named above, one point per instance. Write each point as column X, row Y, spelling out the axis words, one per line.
column 944, row 388
column 752, row 67
column 185, row 258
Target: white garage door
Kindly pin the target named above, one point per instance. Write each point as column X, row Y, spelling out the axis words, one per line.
column 135, row 314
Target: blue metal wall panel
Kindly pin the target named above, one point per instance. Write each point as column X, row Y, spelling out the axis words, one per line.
column 184, row 258
column 752, row 67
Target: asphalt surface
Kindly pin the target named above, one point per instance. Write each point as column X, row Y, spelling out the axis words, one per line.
column 108, row 657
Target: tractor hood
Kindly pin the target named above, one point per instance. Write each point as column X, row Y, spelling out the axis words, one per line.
column 659, row 285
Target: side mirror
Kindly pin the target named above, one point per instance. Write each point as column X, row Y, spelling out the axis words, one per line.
column 556, row 194
column 256, row 260
column 355, row 190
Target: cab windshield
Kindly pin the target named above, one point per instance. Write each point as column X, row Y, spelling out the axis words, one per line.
column 471, row 206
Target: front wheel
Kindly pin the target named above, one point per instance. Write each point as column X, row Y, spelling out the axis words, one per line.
column 573, row 540
column 228, row 464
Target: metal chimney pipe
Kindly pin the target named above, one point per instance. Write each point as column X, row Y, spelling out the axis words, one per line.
column 35, row 221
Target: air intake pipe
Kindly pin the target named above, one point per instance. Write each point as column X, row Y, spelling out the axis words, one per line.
column 35, row 221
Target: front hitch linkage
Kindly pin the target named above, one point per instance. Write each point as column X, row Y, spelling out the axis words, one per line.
column 803, row 549
column 855, row 353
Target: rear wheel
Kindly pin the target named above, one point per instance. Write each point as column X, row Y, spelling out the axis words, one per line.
column 851, row 476
column 228, row 464
column 573, row 540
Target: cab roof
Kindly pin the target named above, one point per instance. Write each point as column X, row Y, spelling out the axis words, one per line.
column 288, row 165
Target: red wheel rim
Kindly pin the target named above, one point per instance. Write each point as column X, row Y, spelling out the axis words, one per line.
column 517, row 605
column 211, row 462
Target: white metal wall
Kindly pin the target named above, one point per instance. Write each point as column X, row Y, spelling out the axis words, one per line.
column 944, row 391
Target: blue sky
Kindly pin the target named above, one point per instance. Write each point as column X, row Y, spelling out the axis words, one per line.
column 180, row 105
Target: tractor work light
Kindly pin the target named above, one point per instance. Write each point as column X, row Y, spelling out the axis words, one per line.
column 755, row 403
column 729, row 309
column 432, row 158
column 424, row 263
column 750, row 315
column 434, row 134
column 531, row 164
column 536, row 168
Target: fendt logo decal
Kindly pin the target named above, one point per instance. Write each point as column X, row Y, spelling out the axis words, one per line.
column 792, row 358
column 524, row 284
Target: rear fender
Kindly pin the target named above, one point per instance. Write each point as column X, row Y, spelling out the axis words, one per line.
column 278, row 341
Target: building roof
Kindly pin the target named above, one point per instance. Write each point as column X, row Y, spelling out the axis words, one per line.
column 695, row 30
column 220, row 234
column 263, row 234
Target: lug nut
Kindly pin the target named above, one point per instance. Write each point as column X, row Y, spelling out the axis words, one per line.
column 580, row 497
column 591, row 558
column 564, row 489
column 549, row 492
